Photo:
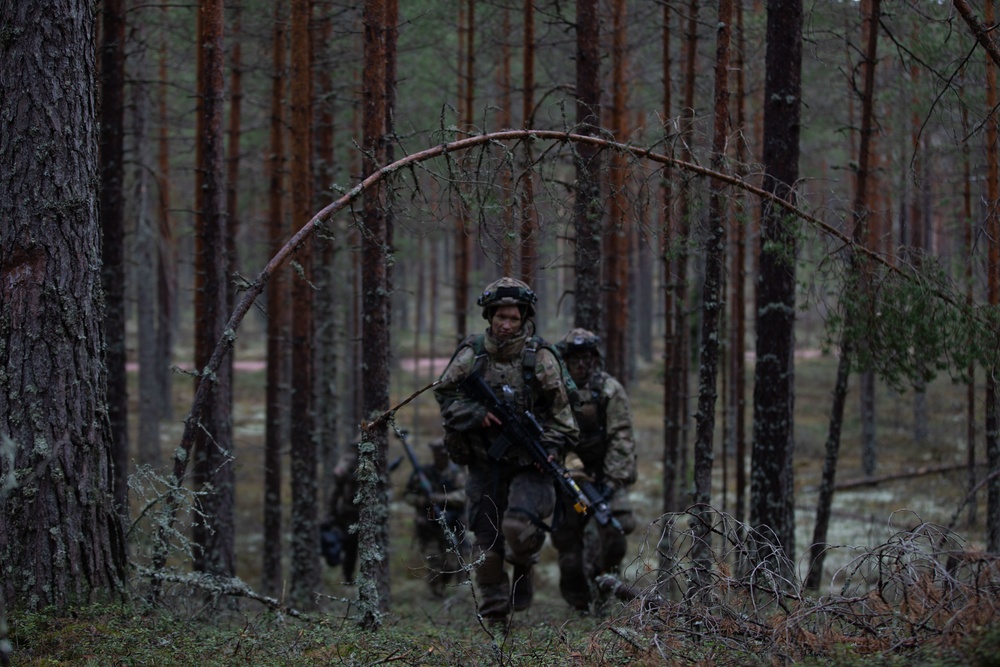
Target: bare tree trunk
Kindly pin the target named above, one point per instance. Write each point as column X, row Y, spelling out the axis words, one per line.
column 214, row 475
column 305, row 569
column 113, row 232
column 714, row 291
column 993, row 296
column 772, row 486
column 61, row 534
column 463, row 238
column 373, row 591
column 166, row 278
column 616, row 235
column 148, row 445
column 861, row 211
column 327, row 279
column 529, row 223
column 968, row 223
column 277, row 322
column 671, row 342
column 737, row 383
column 588, row 210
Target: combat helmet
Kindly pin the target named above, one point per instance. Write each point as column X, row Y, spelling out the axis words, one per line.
column 507, row 292
column 580, row 340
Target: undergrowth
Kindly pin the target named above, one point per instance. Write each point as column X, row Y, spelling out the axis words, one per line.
column 921, row 598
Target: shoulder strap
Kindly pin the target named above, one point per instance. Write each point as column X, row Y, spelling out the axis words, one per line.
column 531, row 350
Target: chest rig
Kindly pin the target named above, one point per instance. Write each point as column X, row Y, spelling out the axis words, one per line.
column 591, row 411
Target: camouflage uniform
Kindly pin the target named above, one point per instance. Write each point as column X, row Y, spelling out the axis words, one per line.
column 508, row 499
column 607, row 451
column 343, row 512
column 448, row 499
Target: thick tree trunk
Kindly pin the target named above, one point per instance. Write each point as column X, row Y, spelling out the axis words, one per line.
column 772, row 489
column 214, row 474
column 61, row 539
column 373, row 591
column 277, row 323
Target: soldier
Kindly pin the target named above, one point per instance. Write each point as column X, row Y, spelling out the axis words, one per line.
column 338, row 543
column 607, row 450
column 437, row 492
column 509, row 499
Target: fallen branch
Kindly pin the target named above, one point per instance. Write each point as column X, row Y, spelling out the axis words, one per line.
column 912, row 473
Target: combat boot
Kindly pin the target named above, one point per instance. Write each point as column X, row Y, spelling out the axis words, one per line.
column 524, row 587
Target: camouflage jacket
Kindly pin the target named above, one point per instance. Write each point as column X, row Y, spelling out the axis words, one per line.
column 501, row 365
column 607, row 442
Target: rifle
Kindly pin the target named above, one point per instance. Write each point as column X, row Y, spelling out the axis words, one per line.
column 425, row 484
column 526, row 432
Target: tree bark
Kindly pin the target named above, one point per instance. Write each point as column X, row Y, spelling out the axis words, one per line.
column 373, row 591
column 772, row 488
column 588, row 212
column 214, row 473
column 277, row 322
column 113, row 231
column 146, row 262
column 61, row 538
column 305, row 569
column 713, row 296
column 992, row 425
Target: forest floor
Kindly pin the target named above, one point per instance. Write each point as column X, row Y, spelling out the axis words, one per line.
column 878, row 526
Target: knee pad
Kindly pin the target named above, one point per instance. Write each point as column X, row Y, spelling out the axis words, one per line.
column 523, row 538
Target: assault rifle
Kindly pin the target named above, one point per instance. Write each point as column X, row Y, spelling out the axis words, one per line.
column 524, row 430
column 425, row 484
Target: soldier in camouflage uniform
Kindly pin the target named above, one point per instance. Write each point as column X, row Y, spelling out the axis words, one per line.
column 446, row 501
column 509, row 499
column 607, row 452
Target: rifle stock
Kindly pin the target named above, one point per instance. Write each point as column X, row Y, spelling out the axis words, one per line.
column 524, row 430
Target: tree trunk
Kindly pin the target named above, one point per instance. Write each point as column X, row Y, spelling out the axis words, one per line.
column 671, row 343
column 616, row 245
column 305, row 569
column 113, row 232
column 373, row 591
column 771, row 480
column 861, row 211
column 737, row 384
column 713, row 296
column 529, row 223
column 166, row 278
column 992, row 424
column 588, row 212
column 214, row 474
column 61, row 538
column 277, row 323
column 146, row 262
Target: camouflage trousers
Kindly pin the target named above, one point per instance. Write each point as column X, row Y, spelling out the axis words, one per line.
column 508, row 508
column 587, row 549
column 443, row 558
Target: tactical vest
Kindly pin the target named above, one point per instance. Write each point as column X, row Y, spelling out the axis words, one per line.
column 523, row 393
column 591, row 418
